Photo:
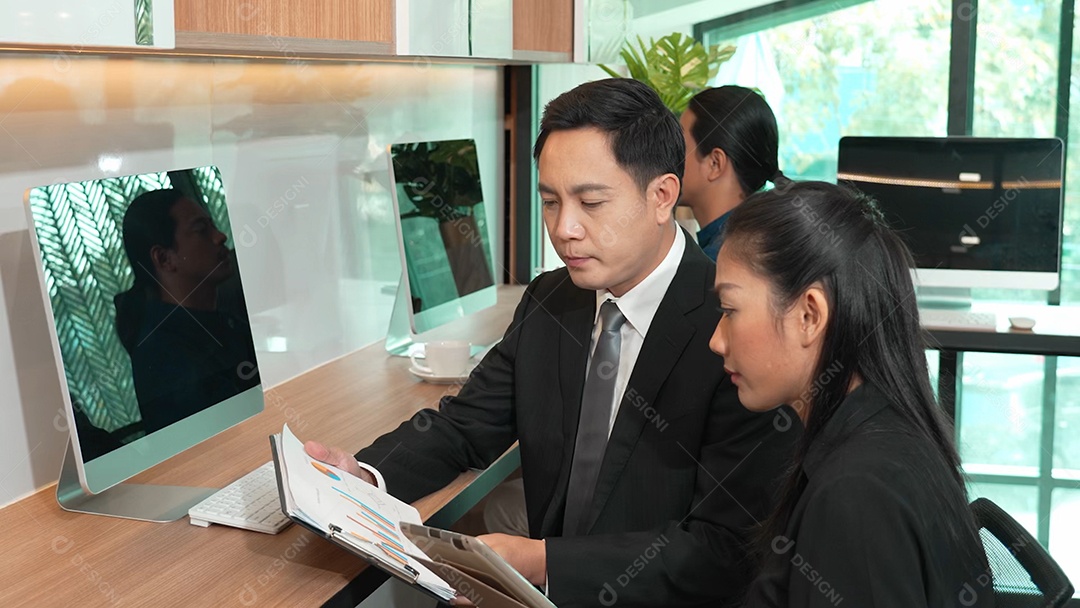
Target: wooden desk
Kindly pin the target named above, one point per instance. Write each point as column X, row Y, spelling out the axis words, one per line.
column 52, row 557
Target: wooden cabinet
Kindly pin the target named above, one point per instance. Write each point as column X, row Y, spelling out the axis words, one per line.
column 532, row 31
column 281, row 27
column 77, row 25
column 500, row 30
column 544, row 30
column 579, row 31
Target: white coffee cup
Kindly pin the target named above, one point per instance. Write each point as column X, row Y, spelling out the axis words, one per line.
column 444, row 359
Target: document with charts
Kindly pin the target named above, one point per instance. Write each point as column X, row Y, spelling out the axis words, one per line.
column 339, row 506
column 384, row 531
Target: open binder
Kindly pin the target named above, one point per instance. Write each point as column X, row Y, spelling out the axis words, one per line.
column 387, row 533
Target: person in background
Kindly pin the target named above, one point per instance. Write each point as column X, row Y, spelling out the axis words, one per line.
column 819, row 312
column 629, row 431
column 731, row 152
column 187, row 352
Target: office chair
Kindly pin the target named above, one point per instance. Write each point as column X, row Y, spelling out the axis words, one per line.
column 1024, row 574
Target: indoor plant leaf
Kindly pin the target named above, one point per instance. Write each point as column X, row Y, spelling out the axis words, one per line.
column 717, row 56
column 676, row 66
column 681, row 60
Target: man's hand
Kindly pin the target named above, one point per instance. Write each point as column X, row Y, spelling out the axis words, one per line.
column 337, row 457
column 527, row 556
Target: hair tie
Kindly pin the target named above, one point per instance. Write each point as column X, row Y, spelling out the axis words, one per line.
column 779, row 179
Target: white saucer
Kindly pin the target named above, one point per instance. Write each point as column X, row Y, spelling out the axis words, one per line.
column 433, row 379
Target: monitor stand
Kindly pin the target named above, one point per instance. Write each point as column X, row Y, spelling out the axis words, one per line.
column 953, row 298
column 399, row 336
column 129, row 500
column 400, row 339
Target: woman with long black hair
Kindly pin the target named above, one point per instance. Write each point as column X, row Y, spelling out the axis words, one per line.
column 819, row 313
column 732, row 146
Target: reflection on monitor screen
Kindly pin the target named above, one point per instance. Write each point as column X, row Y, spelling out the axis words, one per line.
column 148, row 315
column 186, row 345
column 443, row 228
column 975, row 212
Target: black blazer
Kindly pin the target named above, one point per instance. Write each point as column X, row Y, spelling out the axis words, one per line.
column 686, row 472
column 872, row 525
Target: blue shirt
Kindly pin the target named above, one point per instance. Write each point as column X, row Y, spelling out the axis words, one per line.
column 711, row 237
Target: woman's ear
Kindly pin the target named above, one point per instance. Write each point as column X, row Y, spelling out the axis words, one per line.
column 718, row 164
column 813, row 311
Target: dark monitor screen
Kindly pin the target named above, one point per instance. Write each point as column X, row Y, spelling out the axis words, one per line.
column 965, row 203
column 148, row 315
column 443, row 225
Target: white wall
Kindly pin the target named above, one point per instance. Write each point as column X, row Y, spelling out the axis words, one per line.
column 301, row 148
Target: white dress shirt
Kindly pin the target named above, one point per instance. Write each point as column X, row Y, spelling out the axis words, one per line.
column 639, row 307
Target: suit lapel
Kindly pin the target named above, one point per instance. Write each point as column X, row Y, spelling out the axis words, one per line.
column 667, row 339
column 575, row 336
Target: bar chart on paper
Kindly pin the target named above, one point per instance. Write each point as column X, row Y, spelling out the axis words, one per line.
column 380, row 530
column 354, row 512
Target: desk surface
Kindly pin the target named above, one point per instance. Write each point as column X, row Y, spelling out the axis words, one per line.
column 1056, row 331
column 54, row 558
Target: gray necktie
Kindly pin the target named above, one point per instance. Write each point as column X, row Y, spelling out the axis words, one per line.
column 596, row 400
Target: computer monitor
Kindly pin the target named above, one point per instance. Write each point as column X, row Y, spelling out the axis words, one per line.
column 149, row 329
column 443, row 233
column 976, row 212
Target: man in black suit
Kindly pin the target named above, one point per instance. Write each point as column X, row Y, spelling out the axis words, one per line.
column 642, row 471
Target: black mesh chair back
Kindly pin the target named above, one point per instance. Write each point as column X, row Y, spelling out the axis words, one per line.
column 1024, row 574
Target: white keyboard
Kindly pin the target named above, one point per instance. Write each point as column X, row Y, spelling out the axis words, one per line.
column 943, row 318
column 250, row 502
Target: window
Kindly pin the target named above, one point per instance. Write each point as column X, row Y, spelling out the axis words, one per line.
column 1016, row 37
column 1019, row 501
column 1067, row 420
column 1070, row 255
column 999, row 414
column 870, row 69
column 1064, row 530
